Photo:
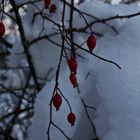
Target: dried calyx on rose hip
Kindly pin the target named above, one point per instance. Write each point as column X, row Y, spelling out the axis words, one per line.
column 71, row 118
column 73, row 65
column 47, row 3
column 2, row 29
column 73, row 80
column 52, row 8
column 57, row 101
column 91, row 42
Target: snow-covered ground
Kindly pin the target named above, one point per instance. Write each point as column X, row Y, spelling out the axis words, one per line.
column 115, row 93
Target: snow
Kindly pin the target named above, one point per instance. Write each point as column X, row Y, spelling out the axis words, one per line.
column 114, row 92
column 120, row 89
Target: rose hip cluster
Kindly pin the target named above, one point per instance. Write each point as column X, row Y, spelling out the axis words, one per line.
column 73, row 65
column 72, row 62
column 57, row 101
column 52, row 7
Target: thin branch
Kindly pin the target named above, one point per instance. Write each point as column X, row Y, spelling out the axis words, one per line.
column 25, row 43
column 99, row 57
column 6, row 43
column 61, row 130
column 108, row 19
column 88, row 116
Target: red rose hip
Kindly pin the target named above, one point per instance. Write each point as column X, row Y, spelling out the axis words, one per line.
column 18, row 110
column 2, row 29
column 47, row 3
column 73, row 65
column 71, row 118
column 57, row 101
column 53, row 8
column 73, row 80
column 91, row 42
